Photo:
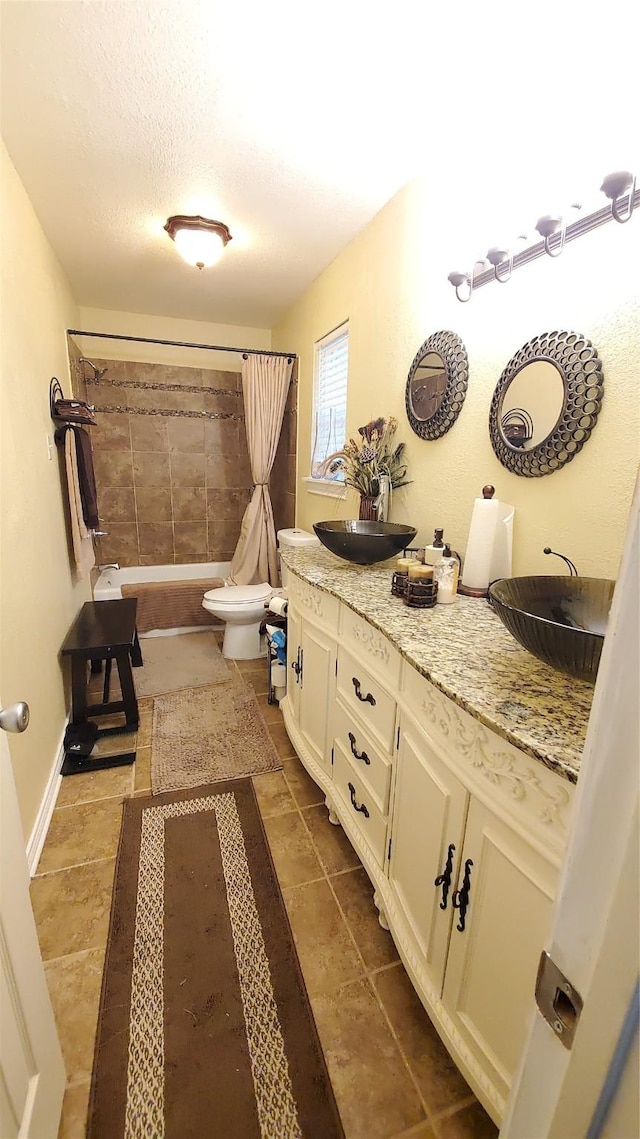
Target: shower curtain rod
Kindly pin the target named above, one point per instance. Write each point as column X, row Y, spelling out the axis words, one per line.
column 182, row 344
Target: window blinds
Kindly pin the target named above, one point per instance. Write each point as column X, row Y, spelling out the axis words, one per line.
column 330, row 406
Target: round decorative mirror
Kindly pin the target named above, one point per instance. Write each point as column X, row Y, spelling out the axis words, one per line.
column 546, row 403
column 437, row 385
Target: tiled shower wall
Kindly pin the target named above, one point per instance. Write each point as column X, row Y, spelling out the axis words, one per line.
column 171, row 462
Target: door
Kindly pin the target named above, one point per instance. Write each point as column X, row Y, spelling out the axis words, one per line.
column 293, row 663
column 32, row 1076
column 426, row 789
column 493, row 959
column 317, row 690
column 594, row 939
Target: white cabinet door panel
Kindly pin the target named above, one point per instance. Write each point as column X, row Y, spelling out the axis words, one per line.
column 492, row 963
column 293, row 658
column 429, row 811
column 317, row 692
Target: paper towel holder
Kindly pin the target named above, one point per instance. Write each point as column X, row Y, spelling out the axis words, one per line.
column 488, row 492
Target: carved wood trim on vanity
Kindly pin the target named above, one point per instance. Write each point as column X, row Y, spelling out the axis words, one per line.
column 310, row 598
column 376, row 644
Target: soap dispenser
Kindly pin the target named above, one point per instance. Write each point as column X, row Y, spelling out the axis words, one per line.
column 433, row 553
column 446, row 575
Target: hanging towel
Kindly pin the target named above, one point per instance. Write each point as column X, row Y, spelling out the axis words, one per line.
column 81, row 539
column 86, row 478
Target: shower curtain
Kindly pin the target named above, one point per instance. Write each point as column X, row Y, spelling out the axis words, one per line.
column 265, row 384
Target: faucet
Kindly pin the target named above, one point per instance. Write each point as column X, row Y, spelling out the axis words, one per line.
column 572, row 569
column 109, row 565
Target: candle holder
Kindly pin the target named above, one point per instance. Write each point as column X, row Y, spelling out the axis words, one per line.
column 399, row 583
column 420, row 594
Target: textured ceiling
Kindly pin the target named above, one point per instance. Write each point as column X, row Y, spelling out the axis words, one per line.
column 292, row 123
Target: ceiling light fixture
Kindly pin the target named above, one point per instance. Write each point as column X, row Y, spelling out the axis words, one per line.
column 200, row 241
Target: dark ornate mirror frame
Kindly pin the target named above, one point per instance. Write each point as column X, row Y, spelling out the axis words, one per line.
column 456, row 365
column 581, row 370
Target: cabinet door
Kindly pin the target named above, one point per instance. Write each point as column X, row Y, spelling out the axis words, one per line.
column 428, row 817
column 293, row 659
column 317, row 692
column 492, row 963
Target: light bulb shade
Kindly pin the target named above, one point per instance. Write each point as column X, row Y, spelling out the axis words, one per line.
column 200, row 241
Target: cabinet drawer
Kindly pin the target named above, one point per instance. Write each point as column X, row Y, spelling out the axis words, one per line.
column 371, row 646
column 358, row 804
column 314, row 604
column 372, row 765
column 363, row 694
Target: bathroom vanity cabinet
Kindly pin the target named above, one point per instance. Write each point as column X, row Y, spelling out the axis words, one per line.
column 461, row 832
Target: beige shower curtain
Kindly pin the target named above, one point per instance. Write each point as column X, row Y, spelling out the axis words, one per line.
column 265, row 384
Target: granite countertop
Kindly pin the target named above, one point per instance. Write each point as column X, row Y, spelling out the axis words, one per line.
column 466, row 652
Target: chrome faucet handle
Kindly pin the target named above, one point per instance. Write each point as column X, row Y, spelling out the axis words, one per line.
column 99, row 534
column 109, row 565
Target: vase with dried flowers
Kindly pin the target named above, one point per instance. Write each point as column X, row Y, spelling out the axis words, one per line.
column 370, row 463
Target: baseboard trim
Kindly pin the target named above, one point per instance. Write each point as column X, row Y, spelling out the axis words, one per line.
column 45, row 811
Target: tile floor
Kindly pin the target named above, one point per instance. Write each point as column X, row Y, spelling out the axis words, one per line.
column 392, row 1077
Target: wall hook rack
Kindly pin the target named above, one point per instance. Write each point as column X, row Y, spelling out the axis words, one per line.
column 555, row 231
column 66, row 412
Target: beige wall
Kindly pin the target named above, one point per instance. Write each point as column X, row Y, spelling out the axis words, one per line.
column 38, row 598
column 167, row 328
column 391, row 283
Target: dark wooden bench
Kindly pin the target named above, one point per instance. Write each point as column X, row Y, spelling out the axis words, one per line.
column 103, row 631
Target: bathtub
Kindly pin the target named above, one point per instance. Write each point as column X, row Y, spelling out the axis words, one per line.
column 108, row 585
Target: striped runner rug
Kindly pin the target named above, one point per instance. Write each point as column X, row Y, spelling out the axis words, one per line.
column 205, row 1028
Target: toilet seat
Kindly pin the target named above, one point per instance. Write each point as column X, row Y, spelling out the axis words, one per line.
column 239, row 594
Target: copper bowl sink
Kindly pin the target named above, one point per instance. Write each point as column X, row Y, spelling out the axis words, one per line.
column 364, row 542
column 561, row 620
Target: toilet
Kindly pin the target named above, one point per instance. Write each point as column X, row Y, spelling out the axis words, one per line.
column 242, row 607
column 293, row 537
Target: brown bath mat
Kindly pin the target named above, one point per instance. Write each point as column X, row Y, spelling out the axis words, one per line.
column 171, row 604
column 205, row 1027
column 183, row 661
column 202, row 735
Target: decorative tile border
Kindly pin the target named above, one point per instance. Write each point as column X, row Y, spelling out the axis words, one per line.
column 123, row 409
column 145, row 386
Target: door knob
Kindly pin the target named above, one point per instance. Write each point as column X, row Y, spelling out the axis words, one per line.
column 15, row 718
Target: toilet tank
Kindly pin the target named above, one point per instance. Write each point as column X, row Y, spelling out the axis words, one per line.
column 293, row 537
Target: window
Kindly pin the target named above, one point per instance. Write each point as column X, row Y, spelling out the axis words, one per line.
column 329, row 400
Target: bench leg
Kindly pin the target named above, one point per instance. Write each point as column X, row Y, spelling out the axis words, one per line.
column 136, row 651
column 107, row 681
column 123, row 660
column 78, row 690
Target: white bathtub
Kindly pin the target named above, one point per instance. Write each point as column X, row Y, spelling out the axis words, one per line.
column 108, row 585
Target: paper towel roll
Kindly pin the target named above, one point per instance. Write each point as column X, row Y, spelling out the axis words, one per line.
column 490, row 543
column 279, row 605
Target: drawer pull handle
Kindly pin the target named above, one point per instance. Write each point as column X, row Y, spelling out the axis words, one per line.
column 444, row 879
column 460, row 899
column 362, row 808
column 358, row 754
column 368, row 699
